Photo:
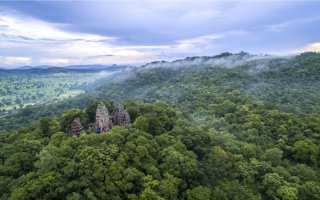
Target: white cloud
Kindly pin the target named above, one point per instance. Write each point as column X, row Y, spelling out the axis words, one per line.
column 197, row 44
column 11, row 60
column 314, row 47
column 54, row 61
column 28, row 29
column 200, row 40
column 50, row 45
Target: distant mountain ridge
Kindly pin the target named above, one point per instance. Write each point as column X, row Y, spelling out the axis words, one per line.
column 113, row 67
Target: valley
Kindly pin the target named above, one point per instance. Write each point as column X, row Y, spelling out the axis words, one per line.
column 22, row 87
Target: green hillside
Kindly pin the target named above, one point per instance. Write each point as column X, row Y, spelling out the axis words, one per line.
column 231, row 126
column 288, row 84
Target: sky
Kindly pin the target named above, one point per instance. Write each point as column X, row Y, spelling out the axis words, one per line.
column 135, row 32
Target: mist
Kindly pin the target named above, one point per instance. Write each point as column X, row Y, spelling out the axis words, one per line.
column 254, row 63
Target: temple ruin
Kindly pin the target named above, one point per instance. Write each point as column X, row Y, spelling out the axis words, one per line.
column 122, row 117
column 76, row 127
column 103, row 121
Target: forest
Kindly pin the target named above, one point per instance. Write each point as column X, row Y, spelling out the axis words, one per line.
column 22, row 87
column 231, row 126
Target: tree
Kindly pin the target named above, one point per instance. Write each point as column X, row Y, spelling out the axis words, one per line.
column 142, row 123
column 18, row 100
column 47, row 126
column 234, row 190
column 287, row 193
column 178, row 161
column 276, row 187
column 310, row 190
column 133, row 109
column 215, row 166
column 148, row 193
column 91, row 111
column 306, row 151
column 271, row 182
column 169, row 186
column 67, row 118
column 48, row 159
column 199, row 193
column 274, row 155
column 249, row 151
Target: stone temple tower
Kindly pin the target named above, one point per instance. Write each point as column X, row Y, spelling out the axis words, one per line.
column 103, row 122
column 76, row 128
column 122, row 117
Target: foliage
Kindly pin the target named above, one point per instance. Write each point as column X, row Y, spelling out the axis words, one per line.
column 196, row 133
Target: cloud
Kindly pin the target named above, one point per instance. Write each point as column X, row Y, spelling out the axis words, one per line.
column 314, row 47
column 291, row 23
column 11, row 60
column 47, row 42
column 200, row 40
column 55, row 46
column 54, row 61
column 101, row 56
column 28, row 29
column 139, row 31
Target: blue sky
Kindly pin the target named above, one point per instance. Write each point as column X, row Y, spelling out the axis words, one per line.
column 134, row 32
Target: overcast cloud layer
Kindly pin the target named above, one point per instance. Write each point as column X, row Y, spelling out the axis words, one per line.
column 131, row 32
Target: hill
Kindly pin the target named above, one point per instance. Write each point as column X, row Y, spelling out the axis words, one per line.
column 231, row 126
column 48, row 68
column 289, row 84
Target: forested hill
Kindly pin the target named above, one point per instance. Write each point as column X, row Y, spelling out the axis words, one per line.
column 231, row 126
column 66, row 69
column 290, row 84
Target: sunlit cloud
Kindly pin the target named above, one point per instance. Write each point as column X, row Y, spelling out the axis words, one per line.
column 11, row 60
column 314, row 47
column 199, row 40
column 54, row 61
